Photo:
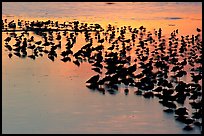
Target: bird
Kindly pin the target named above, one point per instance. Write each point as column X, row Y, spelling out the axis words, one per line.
column 32, row 56
column 51, row 57
column 181, row 111
column 8, row 47
column 101, row 90
column 175, row 68
column 138, row 92
column 132, row 68
column 196, row 78
column 158, row 89
column 188, row 121
column 170, row 105
column 194, row 96
column 17, row 54
column 31, row 47
column 167, row 92
column 127, row 41
column 7, row 39
column 101, row 41
column 98, row 64
column 58, row 37
column 111, row 48
column 97, row 70
column 76, row 62
column 126, row 91
column 180, row 74
column 38, row 42
column 148, row 94
column 93, row 79
column 198, row 30
column 10, row 55
column 65, row 59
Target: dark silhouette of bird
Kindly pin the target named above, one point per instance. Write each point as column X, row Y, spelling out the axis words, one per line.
column 148, row 94
column 158, row 89
column 51, row 57
column 101, row 90
column 93, row 79
column 196, row 105
column 58, row 45
column 31, row 47
column 12, row 24
column 101, row 41
column 126, row 91
column 175, row 68
column 180, row 74
column 97, row 70
column 188, row 121
column 111, row 48
column 58, row 37
column 92, row 86
column 8, row 47
column 181, row 111
column 31, row 39
column 194, row 96
column 127, row 41
column 38, row 42
column 65, row 59
column 132, row 69
column 76, row 62
column 10, row 55
column 198, row 30
column 8, row 39
column 32, row 56
column 196, row 78
column 98, row 64
column 170, row 105
column 138, row 92
column 138, row 76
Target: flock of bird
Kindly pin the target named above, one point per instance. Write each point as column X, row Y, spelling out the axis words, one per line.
column 122, row 57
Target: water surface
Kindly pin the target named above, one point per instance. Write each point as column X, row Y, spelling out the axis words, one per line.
column 41, row 96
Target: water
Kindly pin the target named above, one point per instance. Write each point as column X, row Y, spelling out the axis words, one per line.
column 41, row 96
column 101, row 9
column 186, row 16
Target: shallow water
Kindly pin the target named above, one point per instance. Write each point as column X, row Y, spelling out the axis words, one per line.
column 41, row 96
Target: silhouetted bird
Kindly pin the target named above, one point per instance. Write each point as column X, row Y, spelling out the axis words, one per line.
column 7, row 39
column 148, row 94
column 8, row 47
column 181, row 111
column 188, row 121
column 170, row 105
column 58, row 37
column 97, row 70
column 198, row 30
column 76, row 62
column 65, row 59
column 126, row 91
column 101, row 41
column 10, row 55
column 93, row 79
column 38, row 42
column 196, row 78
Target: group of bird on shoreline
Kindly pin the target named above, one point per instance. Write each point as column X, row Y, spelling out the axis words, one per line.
column 116, row 54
